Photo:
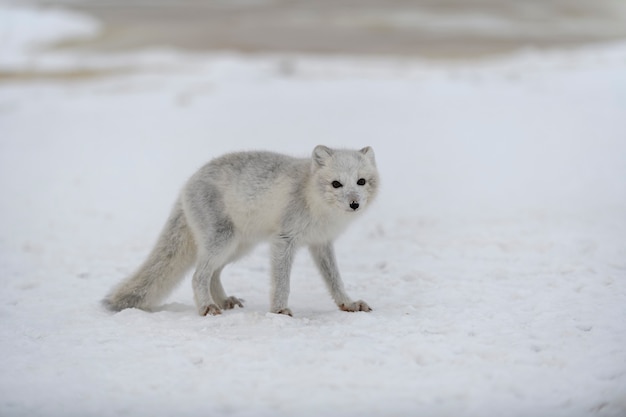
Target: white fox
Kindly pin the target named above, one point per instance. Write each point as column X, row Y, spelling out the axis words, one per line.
column 240, row 199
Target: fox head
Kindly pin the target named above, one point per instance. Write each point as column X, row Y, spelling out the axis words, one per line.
column 346, row 180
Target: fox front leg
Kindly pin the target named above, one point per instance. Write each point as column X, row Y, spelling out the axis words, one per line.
column 324, row 257
column 283, row 250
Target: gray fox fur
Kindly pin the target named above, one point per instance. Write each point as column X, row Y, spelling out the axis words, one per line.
column 241, row 199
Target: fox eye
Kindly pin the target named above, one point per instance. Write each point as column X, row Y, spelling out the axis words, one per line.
column 361, row 181
column 337, row 184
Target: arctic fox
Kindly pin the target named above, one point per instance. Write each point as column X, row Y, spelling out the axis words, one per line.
column 241, row 199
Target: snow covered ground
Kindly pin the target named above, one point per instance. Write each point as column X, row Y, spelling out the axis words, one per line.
column 494, row 259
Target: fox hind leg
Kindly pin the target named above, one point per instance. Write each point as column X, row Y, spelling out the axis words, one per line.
column 207, row 288
column 216, row 241
column 215, row 253
column 219, row 295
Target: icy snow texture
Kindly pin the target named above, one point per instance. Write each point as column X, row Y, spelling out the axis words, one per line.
column 495, row 258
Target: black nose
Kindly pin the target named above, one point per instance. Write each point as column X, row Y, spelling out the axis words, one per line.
column 354, row 205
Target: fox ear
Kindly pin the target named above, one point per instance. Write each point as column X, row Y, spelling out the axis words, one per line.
column 321, row 154
column 369, row 153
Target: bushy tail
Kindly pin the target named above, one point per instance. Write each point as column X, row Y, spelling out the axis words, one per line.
column 172, row 256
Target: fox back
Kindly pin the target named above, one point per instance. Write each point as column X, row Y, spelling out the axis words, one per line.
column 262, row 192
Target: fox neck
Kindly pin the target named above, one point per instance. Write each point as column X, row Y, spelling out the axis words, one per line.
column 318, row 209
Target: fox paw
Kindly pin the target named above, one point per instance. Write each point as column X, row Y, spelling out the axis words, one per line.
column 232, row 302
column 356, row 306
column 210, row 310
column 286, row 311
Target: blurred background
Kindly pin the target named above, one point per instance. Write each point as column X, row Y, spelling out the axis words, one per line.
column 429, row 28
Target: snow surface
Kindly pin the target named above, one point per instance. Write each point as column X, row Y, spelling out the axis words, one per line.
column 494, row 259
